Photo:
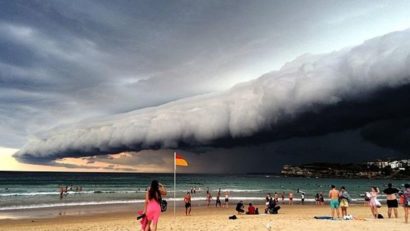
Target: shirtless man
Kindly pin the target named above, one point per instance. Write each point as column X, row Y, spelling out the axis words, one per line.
column 187, row 200
column 334, row 201
column 391, row 200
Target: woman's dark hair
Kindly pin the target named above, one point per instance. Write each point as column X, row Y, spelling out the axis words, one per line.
column 154, row 191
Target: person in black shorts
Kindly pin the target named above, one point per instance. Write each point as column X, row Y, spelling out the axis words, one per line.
column 391, row 197
column 218, row 199
column 187, row 200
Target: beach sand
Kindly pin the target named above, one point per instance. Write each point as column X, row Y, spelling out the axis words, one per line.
column 296, row 217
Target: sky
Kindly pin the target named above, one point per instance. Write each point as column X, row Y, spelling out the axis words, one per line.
column 236, row 86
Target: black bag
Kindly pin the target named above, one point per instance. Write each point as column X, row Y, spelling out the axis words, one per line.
column 164, row 205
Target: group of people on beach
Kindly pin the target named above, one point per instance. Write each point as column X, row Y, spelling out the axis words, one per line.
column 218, row 202
column 340, row 199
column 65, row 189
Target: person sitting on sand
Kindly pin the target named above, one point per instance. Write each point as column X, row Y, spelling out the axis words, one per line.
column 334, row 201
column 187, row 200
column 152, row 207
column 240, row 207
column 391, row 200
column 251, row 209
column 273, row 207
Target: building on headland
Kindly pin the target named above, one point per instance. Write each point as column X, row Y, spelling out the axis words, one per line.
column 395, row 164
column 374, row 169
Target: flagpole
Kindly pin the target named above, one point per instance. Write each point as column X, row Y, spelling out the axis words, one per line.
column 175, row 178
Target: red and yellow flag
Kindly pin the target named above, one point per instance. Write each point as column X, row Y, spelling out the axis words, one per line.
column 180, row 161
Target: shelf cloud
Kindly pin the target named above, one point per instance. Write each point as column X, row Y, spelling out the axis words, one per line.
column 353, row 88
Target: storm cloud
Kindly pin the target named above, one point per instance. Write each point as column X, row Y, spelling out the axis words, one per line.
column 313, row 95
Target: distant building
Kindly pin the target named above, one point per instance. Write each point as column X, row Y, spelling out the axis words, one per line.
column 395, row 164
column 378, row 163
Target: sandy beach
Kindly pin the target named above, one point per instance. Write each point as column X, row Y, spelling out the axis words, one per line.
column 296, row 217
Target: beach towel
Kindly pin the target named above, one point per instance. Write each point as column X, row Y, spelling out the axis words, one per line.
column 143, row 221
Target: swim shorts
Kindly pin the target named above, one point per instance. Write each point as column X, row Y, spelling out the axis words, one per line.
column 392, row 204
column 334, row 204
column 187, row 205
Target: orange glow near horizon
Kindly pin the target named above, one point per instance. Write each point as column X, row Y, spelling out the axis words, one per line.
column 9, row 163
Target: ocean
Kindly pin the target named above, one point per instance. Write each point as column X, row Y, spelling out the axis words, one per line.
column 30, row 190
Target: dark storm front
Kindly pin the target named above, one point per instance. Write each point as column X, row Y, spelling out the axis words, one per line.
column 23, row 190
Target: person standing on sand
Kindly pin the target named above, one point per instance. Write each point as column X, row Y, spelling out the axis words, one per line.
column 374, row 202
column 283, row 197
column 321, row 198
column 276, row 197
column 290, row 198
column 226, row 199
column 208, row 197
column 334, row 201
column 406, row 202
column 344, row 199
column 391, row 200
column 317, row 198
column 187, row 200
column 218, row 199
column 302, row 198
column 152, row 206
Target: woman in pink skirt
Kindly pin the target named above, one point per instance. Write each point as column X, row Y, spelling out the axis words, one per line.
column 152, row 207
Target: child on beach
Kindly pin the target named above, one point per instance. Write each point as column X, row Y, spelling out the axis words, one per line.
column 321, row 198
column 317, row 199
